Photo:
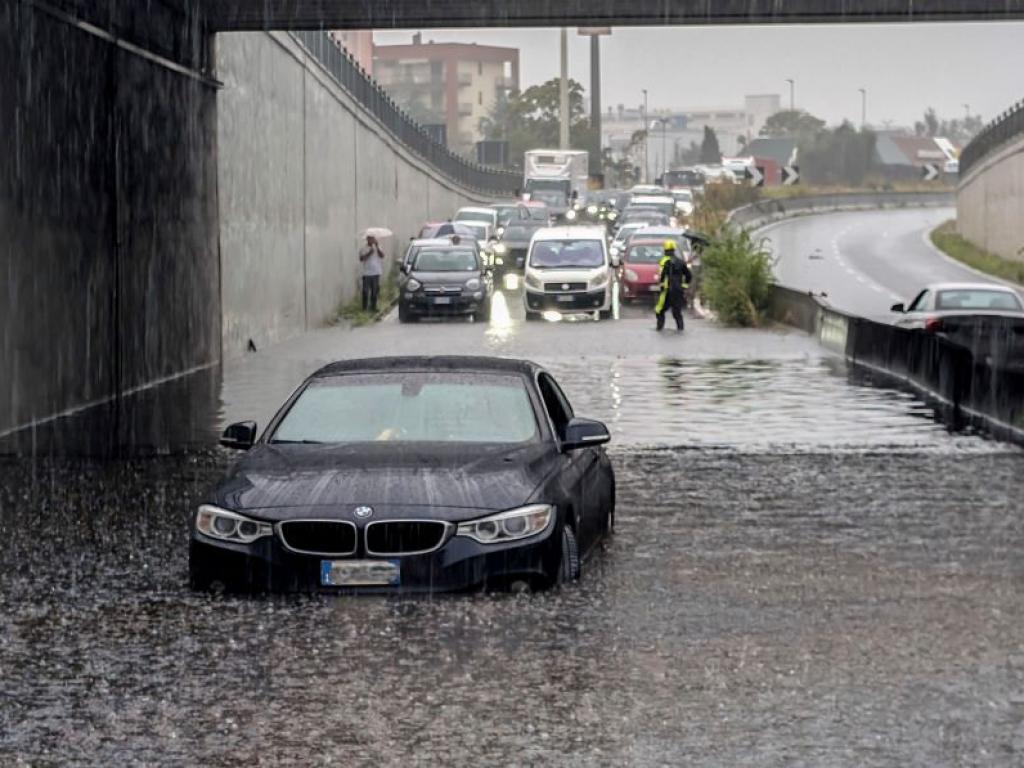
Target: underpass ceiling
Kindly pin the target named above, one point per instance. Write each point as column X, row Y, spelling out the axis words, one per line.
column 385, row 14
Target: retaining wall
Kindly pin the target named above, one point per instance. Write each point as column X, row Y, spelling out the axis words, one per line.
column 303, row 169
column 990, row 202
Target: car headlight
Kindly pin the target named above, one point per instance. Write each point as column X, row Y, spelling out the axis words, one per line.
column 632, row 276
column 413, row 284
column 221, row 524
column 508, row 526
column 532, row 281
column 612, row 215
column 500, row 231
column 592, row 209
column 473, row 284
column 599, row 281
column 500, row 248
column 570, row 215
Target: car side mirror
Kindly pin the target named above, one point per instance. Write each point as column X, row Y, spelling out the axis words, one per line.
column 404, row 269
column 897, row 307
column 240, row 436
column 584, row 433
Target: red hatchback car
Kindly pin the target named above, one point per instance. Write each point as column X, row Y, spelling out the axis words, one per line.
column 639, row 276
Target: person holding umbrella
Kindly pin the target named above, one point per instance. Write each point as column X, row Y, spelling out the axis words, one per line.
column 372, row 258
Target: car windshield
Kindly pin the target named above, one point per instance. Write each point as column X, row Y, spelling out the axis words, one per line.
column 478, row 229
column 411, row 407
column 505, row 212
column 538, row 212
column 683, row 195
column 468, row 216
column 549, row 196
column 977, row 299
column 644, row 254
column 446, row 260
column 567, row 254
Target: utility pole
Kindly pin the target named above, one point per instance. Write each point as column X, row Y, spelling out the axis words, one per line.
column 863, row 108
column 792, row 98
column 563, row 94
column 596, row 166
column 644, row 118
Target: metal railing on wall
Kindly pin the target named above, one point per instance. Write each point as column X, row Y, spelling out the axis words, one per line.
column 364, row 89
column 1007, row 126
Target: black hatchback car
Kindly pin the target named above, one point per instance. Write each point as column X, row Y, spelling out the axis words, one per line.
column 445, row 280
column 419, row 474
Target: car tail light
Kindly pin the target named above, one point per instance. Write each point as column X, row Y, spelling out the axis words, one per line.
column 933, row 324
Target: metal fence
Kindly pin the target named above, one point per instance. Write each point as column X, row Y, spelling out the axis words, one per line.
column 350, row 76
column 1007, row 126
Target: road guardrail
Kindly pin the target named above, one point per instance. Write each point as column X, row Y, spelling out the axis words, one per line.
column 1004, row 128
column 365, row 90
column 765, row 212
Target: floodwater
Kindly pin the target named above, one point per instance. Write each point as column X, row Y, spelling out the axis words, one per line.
column 807, row 570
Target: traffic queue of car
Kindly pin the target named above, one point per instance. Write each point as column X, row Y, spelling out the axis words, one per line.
column 569, row 263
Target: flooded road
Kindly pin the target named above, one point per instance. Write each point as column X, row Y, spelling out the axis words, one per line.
column 807, row 570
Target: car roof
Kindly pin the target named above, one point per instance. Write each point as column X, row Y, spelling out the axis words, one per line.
column 534, row 204
column 475, row 209
column 469, row 364
column 639, row 200
column 970, row 287
column 569, row 233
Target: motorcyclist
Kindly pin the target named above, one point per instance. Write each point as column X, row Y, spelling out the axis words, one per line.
column 674, row 276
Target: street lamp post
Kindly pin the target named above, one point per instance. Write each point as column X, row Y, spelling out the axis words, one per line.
column 664, row 156
column 863, row 107
column 792, row 91
column 644, row 116
column 563, row 93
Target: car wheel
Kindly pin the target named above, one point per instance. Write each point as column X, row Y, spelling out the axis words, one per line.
column 569, row 567
column 405, row 316
column 606, row 314
column 484, row 315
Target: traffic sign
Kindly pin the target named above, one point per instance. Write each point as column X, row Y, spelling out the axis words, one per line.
column 930, row 172
column 790, row 174
column 755, row 173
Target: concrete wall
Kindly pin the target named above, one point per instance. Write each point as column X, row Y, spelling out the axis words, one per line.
column 990, row 202
column 303, row 169
column 108, row 250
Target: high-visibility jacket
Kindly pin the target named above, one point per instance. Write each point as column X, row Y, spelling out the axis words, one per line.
column 675, row 276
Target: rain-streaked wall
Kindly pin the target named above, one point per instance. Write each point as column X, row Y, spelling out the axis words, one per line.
column 107, row 211
column 303, row 169
column 990, row 202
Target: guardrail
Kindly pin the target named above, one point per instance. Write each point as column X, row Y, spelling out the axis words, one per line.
column 767, row 211
column 973, row 369
column 365, row 90
column 1002, row 129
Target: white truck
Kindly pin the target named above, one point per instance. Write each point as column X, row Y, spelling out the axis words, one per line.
column 551, row 176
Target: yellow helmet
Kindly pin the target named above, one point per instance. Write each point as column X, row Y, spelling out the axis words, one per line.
column 670, row 246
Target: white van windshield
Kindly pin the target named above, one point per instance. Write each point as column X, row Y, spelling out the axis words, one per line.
column 567, row 254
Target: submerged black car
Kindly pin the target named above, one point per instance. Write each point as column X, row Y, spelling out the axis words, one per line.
column 445, row 280
column 420, row 474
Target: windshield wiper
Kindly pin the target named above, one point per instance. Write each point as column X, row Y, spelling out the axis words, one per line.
column 296, row 442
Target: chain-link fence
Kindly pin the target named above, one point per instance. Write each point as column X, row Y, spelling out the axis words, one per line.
column 1007, row 126
column 367, row 92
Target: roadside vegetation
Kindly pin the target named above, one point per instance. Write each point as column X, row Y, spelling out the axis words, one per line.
column 736, row 277
column 352, row 311
column 949, row 241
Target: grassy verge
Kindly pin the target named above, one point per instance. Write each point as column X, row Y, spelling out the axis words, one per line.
column 352, row 310
column 736, row 278
column 947, row 240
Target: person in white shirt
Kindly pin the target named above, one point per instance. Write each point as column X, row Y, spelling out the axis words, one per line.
column 372, row 258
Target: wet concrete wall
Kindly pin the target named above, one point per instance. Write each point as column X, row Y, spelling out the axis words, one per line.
column 990, row 202
column 108, row 254
column 303, row 169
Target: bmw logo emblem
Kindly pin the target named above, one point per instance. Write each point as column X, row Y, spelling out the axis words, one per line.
column 363, row 512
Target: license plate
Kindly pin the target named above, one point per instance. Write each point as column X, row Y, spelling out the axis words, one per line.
column 442, row 300
column 653, row 288
column 360, row 573
column 565, row 299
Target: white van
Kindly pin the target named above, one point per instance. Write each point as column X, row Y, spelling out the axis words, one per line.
column 568, row 270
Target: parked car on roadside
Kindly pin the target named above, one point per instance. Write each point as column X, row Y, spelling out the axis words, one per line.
column 937, row 304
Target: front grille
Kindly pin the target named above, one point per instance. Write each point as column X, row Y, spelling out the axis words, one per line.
column 405, row 537
column 561, row 287
column 319, row 537
column 443, row 290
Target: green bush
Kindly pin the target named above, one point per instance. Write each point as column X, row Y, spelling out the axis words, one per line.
column 736, row 277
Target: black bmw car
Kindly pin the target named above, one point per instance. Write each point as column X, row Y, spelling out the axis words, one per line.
column 409, row 473
column 445, row 280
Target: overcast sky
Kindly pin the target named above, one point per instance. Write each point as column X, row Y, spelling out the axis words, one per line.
column 905, row 68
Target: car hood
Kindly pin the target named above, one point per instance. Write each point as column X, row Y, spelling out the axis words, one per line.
column 643, row 271
column 396, row 476
column 444, row 278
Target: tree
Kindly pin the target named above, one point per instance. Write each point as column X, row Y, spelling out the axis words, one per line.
column 792, row 123
column 840, row 156
column 710, row 153
column 961, row 131
column 530, row 119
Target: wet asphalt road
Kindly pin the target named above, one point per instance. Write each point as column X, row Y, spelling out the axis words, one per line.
column 808, row 570
column 865, row 261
